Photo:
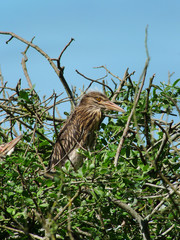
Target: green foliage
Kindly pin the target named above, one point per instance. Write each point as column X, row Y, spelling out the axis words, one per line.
column 137, row 199
column 80, row 204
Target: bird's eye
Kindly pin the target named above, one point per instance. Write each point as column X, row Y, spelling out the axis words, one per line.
column 98, row 99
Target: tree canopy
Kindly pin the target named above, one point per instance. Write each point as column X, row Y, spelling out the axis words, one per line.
column 128, row 186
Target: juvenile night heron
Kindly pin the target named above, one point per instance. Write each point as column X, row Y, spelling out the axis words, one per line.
column 79, row 130
column 8, row 148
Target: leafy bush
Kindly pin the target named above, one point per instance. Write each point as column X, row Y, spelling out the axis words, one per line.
column 135, row 198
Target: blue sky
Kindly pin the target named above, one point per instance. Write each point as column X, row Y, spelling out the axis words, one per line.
column 107, row 33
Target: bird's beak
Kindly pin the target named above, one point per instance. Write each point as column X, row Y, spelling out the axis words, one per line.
column 112, row 106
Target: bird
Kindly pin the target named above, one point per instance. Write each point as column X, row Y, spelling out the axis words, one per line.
column 78, row 131
column 6, row 149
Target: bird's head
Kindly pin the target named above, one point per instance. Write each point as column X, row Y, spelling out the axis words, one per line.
column 99, row 101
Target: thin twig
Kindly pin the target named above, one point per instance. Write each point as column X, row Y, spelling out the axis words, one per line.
column 110, row 72
column 161, row 236
column 22, row 232
column 67, row 205
column 56, row 132
column 174, row 189
column 69, row 221
column 57, row 71
column 83, row 232
column 3, row 84
column 134, row 106
column 140, row 154
column 120, row 85
column 23, row 63
column 59, row 58
column 161, row 148
column 146, row 118
column 129, row 118
column 96, row 81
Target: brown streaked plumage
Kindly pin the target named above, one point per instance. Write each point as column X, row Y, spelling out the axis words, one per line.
column 79, row 130
column 8, row 148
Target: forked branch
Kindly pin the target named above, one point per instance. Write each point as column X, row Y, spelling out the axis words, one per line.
column 59, row 72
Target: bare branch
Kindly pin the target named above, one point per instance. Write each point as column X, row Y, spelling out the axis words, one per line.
column 23, row 62
column 129, row 118
column 55, row 97
column 2, row 84
column 161, row 148
column 96, row 81
column 165, row 232
column 83, row 232
column 120, row 85
column 59, row 72
column 59, row 58
column 20, row 231
column 143, row 224
column 110, row 72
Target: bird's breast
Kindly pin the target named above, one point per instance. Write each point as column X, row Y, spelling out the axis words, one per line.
column 76, row 159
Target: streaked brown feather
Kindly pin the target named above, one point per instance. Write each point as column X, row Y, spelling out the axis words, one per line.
column 79, row 130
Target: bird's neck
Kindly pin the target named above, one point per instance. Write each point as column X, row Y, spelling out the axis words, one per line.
column 90, row 116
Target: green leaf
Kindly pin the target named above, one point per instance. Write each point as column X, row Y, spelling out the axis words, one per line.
column 44, row 205
column 81, row 171
column 174, row 84
column 99, row 191
column 49, row 182
column 23, row 95
column 29, row 201
column 11, row 210
column 19, row 189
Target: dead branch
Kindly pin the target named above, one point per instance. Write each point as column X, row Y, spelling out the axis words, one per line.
column 59, row 58
column 96, row 81
column 126, row 76
column 23, row 63
column 59, row 72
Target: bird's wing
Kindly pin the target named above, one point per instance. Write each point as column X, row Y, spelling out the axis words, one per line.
column 77, row 132
column 68, row 139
